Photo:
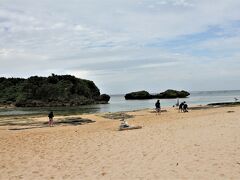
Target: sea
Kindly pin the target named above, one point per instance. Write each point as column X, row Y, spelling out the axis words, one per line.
column 118, row 103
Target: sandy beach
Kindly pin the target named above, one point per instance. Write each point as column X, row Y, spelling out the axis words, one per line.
column 200, row 144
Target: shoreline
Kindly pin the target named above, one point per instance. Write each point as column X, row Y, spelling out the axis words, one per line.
column 32, row 113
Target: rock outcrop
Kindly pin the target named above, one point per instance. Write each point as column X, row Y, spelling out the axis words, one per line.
column 171, row 94
column 138, row 95
column 168, row 94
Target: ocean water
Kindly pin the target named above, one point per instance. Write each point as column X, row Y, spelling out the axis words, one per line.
column 118, row 103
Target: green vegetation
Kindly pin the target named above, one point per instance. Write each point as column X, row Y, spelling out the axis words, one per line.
column 55, row 90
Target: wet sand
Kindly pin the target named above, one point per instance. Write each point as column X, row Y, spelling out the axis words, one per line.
column 201, row 144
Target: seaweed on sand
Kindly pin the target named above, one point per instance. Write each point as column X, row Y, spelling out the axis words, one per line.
column 72, row 121
column 117, row 115
column 29, row 123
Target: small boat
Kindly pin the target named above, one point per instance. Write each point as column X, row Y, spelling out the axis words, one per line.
column 121, row 128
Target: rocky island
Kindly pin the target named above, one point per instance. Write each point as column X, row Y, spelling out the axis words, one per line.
column 168, row 94
column 55, row 90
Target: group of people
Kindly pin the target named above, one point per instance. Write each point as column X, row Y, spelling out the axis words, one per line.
column 183, row 107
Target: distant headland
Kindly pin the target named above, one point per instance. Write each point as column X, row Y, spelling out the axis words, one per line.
column 168, row 94
column 55, row 90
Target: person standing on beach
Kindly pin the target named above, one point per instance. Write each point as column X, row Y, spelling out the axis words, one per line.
column 50, row 116
column 158, row 107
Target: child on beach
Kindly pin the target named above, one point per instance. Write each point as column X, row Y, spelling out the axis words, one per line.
column 158, row 107
column 50, row 116
column 124, row 124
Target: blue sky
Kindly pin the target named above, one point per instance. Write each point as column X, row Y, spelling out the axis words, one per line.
column 124, row 45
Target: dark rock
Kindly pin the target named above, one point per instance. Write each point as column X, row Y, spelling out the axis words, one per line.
column 138, row 95
column 117, row 115
column 225, row 104
column 168, row 94
column 103, row 98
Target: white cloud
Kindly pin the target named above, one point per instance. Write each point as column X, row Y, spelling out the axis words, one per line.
column 108, row 41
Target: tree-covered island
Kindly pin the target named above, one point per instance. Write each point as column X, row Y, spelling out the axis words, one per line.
column 55, row 90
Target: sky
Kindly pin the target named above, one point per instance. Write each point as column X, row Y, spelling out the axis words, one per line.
column 124, row 45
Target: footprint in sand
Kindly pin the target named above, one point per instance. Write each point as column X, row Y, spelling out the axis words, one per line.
column 222, row 175
column 66, row 177
column 16, row 177
column 103, row 173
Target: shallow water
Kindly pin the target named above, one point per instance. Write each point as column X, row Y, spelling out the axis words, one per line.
column 118, row 103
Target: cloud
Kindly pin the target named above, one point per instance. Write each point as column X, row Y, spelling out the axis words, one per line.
column 123, row 45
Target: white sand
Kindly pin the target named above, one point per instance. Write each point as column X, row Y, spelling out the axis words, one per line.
column 201, row 144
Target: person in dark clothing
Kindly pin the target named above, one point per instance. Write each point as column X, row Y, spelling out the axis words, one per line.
column 158, row 107
column 185, row 107
column 181, row 106
column 50, row 116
